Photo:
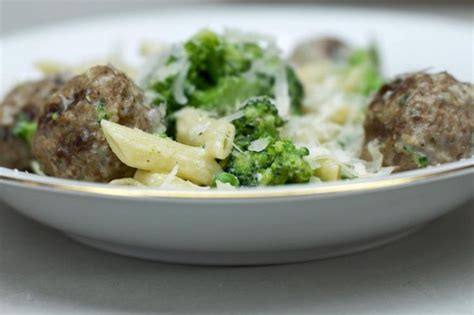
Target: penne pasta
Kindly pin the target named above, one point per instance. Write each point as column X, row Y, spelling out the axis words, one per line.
column 144, row 151
column 126, row 182
column 163, row 180
column 195, row 127
column 329, row 170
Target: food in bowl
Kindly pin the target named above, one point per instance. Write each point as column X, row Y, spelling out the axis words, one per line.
column 69, row 143
column 422, row 119
column 228, row 110
column 19, row 113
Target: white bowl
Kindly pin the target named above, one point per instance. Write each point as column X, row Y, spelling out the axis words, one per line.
column 249, row 226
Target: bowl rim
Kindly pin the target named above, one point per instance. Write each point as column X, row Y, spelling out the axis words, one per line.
column 18, row 178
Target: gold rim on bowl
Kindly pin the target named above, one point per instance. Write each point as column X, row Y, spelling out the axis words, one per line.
column 391, row 181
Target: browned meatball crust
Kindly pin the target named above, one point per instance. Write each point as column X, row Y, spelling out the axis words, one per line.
column 69, row 142
column 24, row 102
column 14, row 152
column 422, row 119
column 319, row 48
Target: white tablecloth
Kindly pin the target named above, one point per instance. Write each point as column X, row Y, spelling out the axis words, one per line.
column 432, row 271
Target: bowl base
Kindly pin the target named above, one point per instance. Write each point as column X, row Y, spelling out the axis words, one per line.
column 242, row 258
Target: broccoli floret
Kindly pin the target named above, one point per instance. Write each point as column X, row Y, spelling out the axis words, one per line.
column 260, row 119
column 216, row 73
column 24, row 128
column 101, row 111
column 296, row 91
column 205, row 52
column 367, row 62
column 212, row 58
column 164, row 93
column 274, row 161
column 279, row 163
column 225, row 178
column 231, row 90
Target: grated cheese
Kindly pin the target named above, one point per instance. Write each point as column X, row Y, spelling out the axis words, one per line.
column 332, row 126
column 282, row 95
column 259, row 145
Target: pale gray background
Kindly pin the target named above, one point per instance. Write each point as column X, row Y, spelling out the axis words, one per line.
column 41, row 271
column 430, row 272
column 19, row 14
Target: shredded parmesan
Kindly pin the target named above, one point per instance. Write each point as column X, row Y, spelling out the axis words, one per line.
column 36, row 168
column 234, row 116
column 170, row 177
column 282, row 96
column 259, row 145
column 157, row 69
column 332, row 126
column 224, row 186
column 376, row 155
column 178, row 85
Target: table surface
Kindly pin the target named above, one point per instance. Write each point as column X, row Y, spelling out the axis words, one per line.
column 42, row 271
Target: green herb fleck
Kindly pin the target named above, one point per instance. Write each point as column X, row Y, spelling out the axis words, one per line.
column 161, row 134
column 420, row 159
column 54, row 116
column 25, row 129
column 101, row 112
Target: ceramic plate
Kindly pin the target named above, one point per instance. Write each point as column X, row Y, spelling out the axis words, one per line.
column 249, row 226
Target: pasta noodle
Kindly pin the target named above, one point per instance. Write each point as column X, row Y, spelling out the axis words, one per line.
column 163, row 180
column 328, row 170
column 126, row 182
column 195, row 127
column 144, row 151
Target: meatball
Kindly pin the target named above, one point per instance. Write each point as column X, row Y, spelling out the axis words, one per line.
column 69, row 142
column 319, row 49
column 15, row 152
column 22, row 106
column 422, row 119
